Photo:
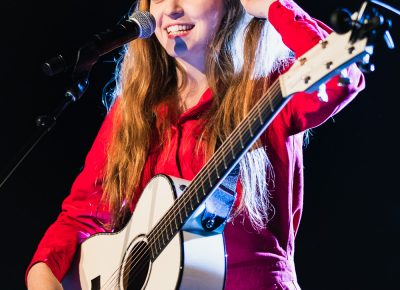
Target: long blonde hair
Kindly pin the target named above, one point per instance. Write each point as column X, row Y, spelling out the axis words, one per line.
column 242, row 54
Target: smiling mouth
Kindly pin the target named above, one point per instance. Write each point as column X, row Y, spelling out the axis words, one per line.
column 179, row 30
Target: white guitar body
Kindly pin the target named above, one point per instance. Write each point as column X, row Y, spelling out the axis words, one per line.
column 190, row 261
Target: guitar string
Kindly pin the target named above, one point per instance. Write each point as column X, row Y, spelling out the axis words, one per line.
column 206, row 169
column 224, row 149
column 155, row 231
column 269, row 97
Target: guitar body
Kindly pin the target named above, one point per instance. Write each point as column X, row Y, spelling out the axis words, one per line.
column 122, row 260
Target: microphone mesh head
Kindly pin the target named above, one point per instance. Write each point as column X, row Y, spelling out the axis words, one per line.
column 146, row 23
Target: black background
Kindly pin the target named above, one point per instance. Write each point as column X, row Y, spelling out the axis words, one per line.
column 349, row 236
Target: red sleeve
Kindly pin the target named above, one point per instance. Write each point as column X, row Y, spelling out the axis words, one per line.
column 300, row 32
column 81, row 214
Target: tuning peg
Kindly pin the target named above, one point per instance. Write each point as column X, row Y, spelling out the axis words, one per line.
column 365, row 65
column 344, row 79
column 322, row 94
column 341, row 20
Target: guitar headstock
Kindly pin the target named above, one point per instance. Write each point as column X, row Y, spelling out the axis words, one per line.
column 353, row 42
column 323, row 61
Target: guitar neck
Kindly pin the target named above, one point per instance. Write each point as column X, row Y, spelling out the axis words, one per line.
column 218, row 167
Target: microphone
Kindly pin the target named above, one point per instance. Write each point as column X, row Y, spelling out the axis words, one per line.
column 140, row 24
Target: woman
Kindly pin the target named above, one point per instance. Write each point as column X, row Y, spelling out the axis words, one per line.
column 180, row 94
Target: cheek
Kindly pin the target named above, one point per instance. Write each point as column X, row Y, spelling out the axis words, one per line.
column 160, row 38
column 216, row 16
column 157, row 31
column 212, row 20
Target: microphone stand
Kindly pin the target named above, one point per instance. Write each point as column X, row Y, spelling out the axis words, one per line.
column 86, row 57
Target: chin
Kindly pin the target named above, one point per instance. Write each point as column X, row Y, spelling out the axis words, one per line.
column 177, row 48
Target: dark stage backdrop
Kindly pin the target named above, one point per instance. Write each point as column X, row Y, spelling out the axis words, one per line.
column 349, row 236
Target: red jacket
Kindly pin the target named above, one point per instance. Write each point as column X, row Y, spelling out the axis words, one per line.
column 266, row 257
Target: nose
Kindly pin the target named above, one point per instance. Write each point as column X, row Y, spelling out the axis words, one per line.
column 173, row 9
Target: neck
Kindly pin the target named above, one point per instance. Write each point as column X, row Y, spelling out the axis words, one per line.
column 196, row 84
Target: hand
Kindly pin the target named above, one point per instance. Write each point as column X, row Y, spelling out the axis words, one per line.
column 40, row 277
column 257, row 8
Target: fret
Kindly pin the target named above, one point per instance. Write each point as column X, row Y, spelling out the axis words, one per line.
column 154, row 246
column 159, row 244
column 209, row 180
column 176, row 223
column 163, row 240
column 241, row 140
column 249, row 126
column 216, row 169
column 259, row 115
column 230, row 146
column 186, row 214
column 265, row 111
column 191, row 205
column 256, row 126
column 153, row 255
column 223, row 159
column 245, row 137
column 255, row 121
column 180, row 217
column 214, row 176
column 271, row 105
column 204, row 191
column 245, row 134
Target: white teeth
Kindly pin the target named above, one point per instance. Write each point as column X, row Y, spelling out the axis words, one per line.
column 176, row 28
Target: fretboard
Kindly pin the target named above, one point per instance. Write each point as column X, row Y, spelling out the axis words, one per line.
column 217, row 168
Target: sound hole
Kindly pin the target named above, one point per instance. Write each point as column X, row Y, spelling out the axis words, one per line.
column 137, row 266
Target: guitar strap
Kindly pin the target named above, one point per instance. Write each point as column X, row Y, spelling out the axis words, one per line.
column 219, row 204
